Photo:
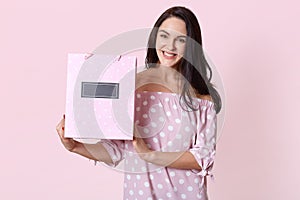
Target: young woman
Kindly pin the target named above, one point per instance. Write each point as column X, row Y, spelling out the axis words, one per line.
column 175, row 117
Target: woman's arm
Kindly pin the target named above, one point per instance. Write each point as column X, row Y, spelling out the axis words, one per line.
column 179, row 160
column 92, row 151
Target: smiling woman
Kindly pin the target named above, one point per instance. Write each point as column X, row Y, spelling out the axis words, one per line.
column 175, row 119
column 170, row 42
column 176, row 41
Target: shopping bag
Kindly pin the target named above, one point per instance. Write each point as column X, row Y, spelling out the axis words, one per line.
column 100, row 96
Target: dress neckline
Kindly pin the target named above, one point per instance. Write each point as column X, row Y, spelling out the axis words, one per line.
column 172, row 94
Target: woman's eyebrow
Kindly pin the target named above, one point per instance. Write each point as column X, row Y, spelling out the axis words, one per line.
column 164, row 31
column 184, row 36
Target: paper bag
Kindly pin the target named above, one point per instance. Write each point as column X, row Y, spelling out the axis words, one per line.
column 100, row 96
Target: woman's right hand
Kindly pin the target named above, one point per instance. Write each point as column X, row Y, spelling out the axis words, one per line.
column 68, row 143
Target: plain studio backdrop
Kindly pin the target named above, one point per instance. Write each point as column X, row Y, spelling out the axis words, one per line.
column 254, row 45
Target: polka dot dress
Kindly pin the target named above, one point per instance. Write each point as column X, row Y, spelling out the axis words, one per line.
column 166, row 127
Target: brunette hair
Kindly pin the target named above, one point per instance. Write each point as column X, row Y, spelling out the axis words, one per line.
column 193, row 66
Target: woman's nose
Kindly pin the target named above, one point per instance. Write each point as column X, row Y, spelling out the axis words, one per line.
column 171, row 45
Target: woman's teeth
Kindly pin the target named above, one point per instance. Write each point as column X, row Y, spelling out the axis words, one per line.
column 169, row 54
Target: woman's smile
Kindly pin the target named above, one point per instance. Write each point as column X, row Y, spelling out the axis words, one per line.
column 168, row 55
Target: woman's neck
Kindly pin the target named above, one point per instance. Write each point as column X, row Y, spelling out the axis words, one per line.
column 168, row 74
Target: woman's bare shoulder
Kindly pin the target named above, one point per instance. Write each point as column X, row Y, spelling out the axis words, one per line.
column 148, row 81
column 145, row 76
column 205, row 97
column 142, row 74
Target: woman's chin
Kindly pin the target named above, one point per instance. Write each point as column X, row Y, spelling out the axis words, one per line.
column 169, row 64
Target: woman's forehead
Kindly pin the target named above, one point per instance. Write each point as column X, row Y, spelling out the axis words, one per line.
column 174, row 26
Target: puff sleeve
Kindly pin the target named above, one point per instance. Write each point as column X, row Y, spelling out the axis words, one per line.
column 115, row 149
column 204, row 144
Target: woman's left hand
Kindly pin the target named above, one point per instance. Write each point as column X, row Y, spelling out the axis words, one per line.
column 140, row 146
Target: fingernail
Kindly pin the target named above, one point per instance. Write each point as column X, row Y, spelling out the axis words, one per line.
column 64, row 116
column 63, row 128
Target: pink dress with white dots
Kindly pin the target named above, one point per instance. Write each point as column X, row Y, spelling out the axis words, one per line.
column 166, row 127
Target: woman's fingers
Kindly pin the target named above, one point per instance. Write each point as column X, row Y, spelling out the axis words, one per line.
column 69, row 143
column 136, row 133
column 138, row 142
column 60, row 128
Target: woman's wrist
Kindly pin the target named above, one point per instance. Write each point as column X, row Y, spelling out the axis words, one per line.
column 158, row 157
column 70, row 145
column 149, row 157
column 76, row 145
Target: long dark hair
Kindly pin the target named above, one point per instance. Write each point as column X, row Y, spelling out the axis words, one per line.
column 193, row 66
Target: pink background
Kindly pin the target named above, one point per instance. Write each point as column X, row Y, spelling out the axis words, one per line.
column 254, row 45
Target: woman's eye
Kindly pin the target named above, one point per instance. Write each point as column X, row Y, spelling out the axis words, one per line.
column 163, row 36
column 181, row 40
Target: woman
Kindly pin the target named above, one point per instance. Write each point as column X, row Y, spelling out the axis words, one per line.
column 175, row 117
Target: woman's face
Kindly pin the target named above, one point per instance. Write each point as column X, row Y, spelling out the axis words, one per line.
column 171, row 41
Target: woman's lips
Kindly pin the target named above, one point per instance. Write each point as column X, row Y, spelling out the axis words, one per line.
column 169, row 55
